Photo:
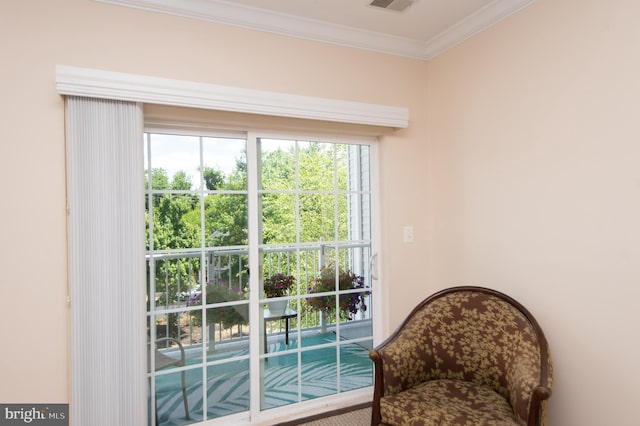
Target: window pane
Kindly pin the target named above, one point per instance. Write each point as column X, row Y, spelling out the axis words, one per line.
column 356, row 368
column 225, row 220
column 227, row 388
column 278, row 218
column 175, row 221
column 278, row 164
column 174, row 278
column 317, row 217
column 317, row 169
column 280, row 380
column 170, row 406
column 175, row 161
column 224, row 163
column 319, row 385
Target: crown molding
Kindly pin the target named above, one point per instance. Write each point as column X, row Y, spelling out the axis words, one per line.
column 74, row 81
column 473, row 24
column 228, row 13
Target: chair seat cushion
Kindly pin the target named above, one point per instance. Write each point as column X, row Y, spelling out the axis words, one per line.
column 447, row 402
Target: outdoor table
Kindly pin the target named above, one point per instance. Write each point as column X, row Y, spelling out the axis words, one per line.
column 286, row 316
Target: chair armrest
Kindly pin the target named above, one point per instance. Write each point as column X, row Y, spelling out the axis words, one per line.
column 402, row 362
column 529, row 379
column 162, row 360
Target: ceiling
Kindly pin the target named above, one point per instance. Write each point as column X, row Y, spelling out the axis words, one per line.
column 424, row 29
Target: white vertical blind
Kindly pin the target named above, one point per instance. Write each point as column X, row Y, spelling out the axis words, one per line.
column 107, row 265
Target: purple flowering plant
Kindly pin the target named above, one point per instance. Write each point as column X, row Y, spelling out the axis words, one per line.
column 278, row 285
column 349, row 303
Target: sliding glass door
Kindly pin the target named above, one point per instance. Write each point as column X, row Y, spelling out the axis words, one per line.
column 314, row 251
column 298, row 210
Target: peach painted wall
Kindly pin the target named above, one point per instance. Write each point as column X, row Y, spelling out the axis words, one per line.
column 534, row 170
column 36, row 35
column 519, row 171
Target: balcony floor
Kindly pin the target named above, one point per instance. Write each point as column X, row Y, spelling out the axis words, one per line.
column 228, row 383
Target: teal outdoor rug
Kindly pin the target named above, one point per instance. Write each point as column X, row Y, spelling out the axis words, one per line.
column 228, row 384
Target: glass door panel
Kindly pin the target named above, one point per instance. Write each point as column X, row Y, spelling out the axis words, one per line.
column 313, row 322
column 315, row 248
column 197, row 278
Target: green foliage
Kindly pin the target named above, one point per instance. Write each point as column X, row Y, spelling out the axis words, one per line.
column 349, row 303
column 177, row 216
column 227, row 316
column 159, row 179
column 227, row 214
column 213, row 179
column 171, row 230
column 181, row 182
column 278, row 170
column 316, row 210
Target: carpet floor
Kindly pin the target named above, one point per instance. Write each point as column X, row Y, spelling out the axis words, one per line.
column 360, row 417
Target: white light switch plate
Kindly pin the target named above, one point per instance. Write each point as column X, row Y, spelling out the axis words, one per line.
column 408, row 234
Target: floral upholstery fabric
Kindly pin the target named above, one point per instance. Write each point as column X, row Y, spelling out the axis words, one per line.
column 462, row 345
column 447, row 402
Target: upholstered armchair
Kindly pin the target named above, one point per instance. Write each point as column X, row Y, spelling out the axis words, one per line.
column 464, row 356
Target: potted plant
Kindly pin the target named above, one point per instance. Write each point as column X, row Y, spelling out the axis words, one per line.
column 218, row 292
column 349, row 303
column 278, row 285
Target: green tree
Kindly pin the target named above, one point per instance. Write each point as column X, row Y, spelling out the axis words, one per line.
column 171, row 230
column 213, row 179
column 181, row 181
column 278, row 210
column 159, row 179
column 317, row 211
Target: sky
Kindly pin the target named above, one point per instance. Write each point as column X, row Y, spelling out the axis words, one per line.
column 176, row 153
column 182, row 153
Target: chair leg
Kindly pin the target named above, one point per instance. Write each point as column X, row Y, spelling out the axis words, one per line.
column 184, row 397
column 155, row 405
column 156, row 408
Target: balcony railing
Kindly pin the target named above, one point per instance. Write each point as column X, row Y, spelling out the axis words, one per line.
column 175, row 284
